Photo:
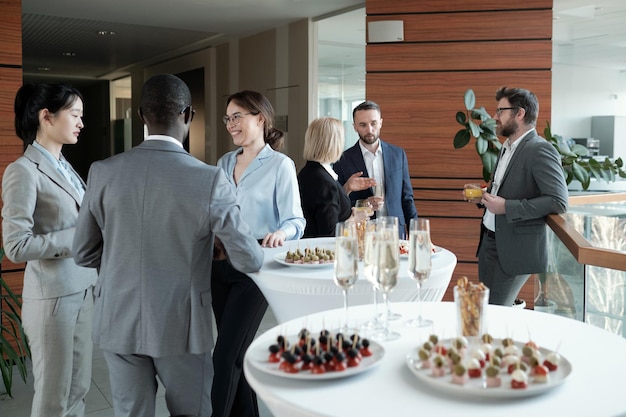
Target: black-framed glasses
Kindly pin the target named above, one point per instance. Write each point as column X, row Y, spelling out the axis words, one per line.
column 499, row 110
column 189, row 112
column 235, row 118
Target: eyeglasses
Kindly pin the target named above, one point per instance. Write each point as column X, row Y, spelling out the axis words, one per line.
column 499, row 110
column 189, row 112
column 234, row 119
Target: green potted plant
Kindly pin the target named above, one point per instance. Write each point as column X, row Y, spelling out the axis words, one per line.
column 477, row 123
column 13, row 347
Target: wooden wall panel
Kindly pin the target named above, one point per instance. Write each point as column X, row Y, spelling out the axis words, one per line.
column 459, row 56
column 11, row 32
column 472, row 27
column 450, row 46
column 419, row 108
column 435, row 6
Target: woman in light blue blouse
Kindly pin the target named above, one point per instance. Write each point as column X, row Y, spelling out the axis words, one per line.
column 267, row 191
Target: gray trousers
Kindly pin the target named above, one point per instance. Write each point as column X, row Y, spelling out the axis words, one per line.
column 503, row 288
column 59, row 334
column 187, row 380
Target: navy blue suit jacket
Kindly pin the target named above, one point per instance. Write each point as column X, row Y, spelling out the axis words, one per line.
column 399, row 200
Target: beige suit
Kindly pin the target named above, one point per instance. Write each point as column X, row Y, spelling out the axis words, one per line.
column 38, row 218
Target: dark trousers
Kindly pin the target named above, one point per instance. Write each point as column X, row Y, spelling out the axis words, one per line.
column 503, row 288
column 239, row 306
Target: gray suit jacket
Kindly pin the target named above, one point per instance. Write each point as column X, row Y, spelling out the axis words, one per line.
column 38, row 218
column 148, row 223
column 533, row 186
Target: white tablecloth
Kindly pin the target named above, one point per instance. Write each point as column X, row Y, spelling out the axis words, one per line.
column 594, row 387
column 293, row 291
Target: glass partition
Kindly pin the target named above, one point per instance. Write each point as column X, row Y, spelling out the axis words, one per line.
column 590, row 293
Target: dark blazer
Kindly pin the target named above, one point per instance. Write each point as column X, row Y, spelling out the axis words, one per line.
column 533, row 186
column 399, row 199
column 324, row 202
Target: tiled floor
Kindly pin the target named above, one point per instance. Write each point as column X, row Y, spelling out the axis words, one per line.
column 99, row 403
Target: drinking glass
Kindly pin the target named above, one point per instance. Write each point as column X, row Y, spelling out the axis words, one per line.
column 369, row 269
column 386, row 270
column 379, row 192
column 362, row 212
column 420, row 252
column 390, row 222
column 346, row 269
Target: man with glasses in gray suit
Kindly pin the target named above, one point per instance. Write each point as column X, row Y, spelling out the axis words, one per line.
column 527, row 185
column 148, row 223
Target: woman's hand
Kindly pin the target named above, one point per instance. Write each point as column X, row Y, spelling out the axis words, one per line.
column 273, row 240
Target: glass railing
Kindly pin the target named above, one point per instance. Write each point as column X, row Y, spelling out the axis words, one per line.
column 586, row 278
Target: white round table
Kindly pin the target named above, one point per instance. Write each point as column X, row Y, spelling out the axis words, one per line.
column 593, row 388
column 293, row 291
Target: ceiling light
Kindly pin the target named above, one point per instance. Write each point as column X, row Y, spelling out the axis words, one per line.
column 106, row 33
column 68, row 53
column 44, row 69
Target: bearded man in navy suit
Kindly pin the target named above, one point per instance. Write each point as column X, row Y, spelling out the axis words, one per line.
column 376, row 170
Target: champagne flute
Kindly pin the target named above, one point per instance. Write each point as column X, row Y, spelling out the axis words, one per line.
column 388, row 264
column 362, row 212
column 369, row 270
column 346, row 269
column 390, row 222
column 420, row 253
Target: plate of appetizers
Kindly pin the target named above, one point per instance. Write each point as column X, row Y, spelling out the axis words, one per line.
column 404, row 249
column 320, row 364
column 502, row 368
column 307, row 258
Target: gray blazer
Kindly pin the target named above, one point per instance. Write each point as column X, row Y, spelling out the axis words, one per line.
column 533, row 186
column 148, row 223
column 38, row 218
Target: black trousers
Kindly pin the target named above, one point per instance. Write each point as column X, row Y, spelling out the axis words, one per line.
column 239, row 307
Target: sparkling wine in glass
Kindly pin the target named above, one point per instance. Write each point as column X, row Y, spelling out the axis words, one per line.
column 369, row 270
column 346, row 256
column 390, row 223
column 420, row 253
column 388, row 264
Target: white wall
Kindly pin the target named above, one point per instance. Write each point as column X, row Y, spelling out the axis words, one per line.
column 581, row 92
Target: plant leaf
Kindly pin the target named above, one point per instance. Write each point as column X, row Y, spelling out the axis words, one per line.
column 461, row 118
column 580, row 150
column 481, row 145
column 470, row 99
column 474, row 128
column 461, row 138
column 489, row 159
column 581, row 175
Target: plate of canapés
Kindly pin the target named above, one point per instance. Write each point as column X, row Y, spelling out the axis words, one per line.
column 324, row 356
column 317, row 257
column 492, row 368
column 404, row 249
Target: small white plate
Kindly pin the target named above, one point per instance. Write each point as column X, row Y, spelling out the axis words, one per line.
column 258, row 359
column 280, row 258
column 405, row 244
column 474, row 387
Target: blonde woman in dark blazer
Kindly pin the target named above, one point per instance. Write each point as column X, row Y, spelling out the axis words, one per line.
column 324, row 201
column 42, row 194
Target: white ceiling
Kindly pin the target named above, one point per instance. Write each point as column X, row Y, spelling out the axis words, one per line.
column 60, row 37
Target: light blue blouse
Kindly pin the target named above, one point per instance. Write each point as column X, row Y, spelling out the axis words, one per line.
column 268, row 193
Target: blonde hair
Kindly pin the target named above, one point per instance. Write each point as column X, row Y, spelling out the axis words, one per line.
column 324, row 140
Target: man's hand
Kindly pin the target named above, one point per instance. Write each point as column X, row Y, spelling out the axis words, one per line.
column 494, row 204
column 273, row 240
column 357, row 183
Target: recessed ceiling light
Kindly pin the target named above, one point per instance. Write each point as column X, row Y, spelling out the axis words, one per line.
column 106, row 33
column 68, row 53
column 44, row 68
